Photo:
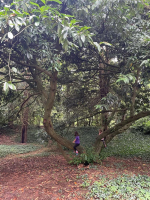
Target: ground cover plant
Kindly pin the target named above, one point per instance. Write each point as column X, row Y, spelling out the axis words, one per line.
column 128, row 144
column 6, row 150
column 122, row 187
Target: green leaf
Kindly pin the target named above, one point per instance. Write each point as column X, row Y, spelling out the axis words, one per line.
column 98, row 46
column 56, row 1
column 14, row 69
column 18, row 21
column 84, row 28
column 2, row 12
column 44, row 8
column 12, row 86
column 34, row 4
column 5, row 87
column 65, row 45
column 83, row 38
column 37, row 23
column 65, row 34
column 106, row 43
column 3, row 38
column 29, row 56
column 73, row 21
column 35, row 10
column 80, row 43
column 144, row 62
column 148, row 85
column 124, row 79
column 59, row 30
column 10, row 35
column 43, row 1
column 17, row 27
column 5, row 8
column 10, row 23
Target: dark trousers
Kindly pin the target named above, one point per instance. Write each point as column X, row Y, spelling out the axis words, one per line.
column 76, row 145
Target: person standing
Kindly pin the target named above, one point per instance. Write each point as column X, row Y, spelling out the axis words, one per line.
column 103, row 139
column 76, row 141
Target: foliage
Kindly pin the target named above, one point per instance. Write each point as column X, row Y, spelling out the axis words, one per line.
column 123, row 187
column 142, row 125
column 88, row 157
column 17, row 149
column 37, row 135
column 8, row 106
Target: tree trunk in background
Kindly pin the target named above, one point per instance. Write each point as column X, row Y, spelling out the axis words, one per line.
column 104, row 89
column 25, row 114
column 68, row 113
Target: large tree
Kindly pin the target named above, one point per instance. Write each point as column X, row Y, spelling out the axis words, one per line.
column 42, row 44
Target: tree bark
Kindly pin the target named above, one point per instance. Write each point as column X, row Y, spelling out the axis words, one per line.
column 47, row 119
column 104, row 89
column 24, row 121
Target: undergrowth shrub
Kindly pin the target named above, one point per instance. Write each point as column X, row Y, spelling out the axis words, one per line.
column 142, row 125
column 88, row 157
column 35, row 135
column 38, row 135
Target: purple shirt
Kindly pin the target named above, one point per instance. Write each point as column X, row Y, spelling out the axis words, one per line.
column 77, row 140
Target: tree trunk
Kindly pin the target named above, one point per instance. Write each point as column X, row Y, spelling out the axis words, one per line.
column 104, row 89
column 24, row 121
column 47, row 119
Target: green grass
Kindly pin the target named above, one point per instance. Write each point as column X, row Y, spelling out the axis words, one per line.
column 6, row 150
column 123, row 187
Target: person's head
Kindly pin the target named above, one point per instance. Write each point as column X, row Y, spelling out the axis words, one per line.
column 76, row 133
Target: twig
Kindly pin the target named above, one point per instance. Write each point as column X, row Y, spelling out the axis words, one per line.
column 22, row 30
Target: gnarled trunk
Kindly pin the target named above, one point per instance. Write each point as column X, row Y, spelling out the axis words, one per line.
column 47, row 116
